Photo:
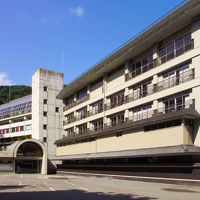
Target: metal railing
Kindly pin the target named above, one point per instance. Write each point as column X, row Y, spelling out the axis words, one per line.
column 141, row 70
column 162, row 59
column 175, row 80
column 75, row 103
column 140, row 117
column 12, row 114
column 176, row 51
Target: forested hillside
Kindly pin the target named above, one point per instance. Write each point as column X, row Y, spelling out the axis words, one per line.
column 16, row 91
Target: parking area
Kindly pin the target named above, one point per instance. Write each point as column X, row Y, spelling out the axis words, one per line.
column 63, row 187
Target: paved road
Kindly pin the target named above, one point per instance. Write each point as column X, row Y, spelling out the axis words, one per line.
column 69, row 187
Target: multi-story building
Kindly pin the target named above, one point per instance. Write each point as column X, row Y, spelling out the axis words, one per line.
column 30, row 125
column 141, row 104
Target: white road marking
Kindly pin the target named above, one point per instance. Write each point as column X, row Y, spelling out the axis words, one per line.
column 21, row 176
column 19, row 190
column 82, row 188
column 125, row 176
column 52, row 189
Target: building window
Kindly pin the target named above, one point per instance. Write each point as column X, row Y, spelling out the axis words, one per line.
column 45, row 88
column 70, row 132
column 96, row 107
column 45, row 101
column 44, row 113
column 82, row 94
column 70, row 118
column 117, row 119
column 141, row 90
column 69, row 101
column 57, row 109
column 45, row 126
column 175, row 47
column 117, row 99
column 82, row 113
column 97, row 124
column 44, row 139
column 177, row 103
column 176, row 76
column 142, row 113
column 82, row 128
column 140, row 65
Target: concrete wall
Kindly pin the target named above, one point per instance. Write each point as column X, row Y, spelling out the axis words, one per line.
column 54, row 83
column 134, row 140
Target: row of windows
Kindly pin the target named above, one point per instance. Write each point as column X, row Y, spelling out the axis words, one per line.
column 175, row 76
column 172, row 104
column 181, row 43
column 15, row 129
column 16, row 110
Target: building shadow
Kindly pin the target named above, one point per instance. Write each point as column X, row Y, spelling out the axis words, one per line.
column 68, row 195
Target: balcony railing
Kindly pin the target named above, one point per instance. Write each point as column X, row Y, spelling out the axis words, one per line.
column 111, row 105
column 16, row 113
column 175, row 80
column 177, row 51
column 140, row 119
column 133, row 74
column 162, row 59
column 95, row 111
column 165, row 84
column 141, row 93
column 75, row 103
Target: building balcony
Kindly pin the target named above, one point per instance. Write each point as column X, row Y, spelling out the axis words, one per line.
column 175, row 80
column 75, row 103
column 184, row 110
column 162, row 58
column 162, row 85
column 17, row 113
column 143, row 69
column 168, row 55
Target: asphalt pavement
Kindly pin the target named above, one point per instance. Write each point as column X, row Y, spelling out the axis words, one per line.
column 70, row 187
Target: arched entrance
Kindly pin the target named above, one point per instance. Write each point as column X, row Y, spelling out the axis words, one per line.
column 29, row 157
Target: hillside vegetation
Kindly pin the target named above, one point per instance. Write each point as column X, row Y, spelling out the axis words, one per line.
column 16, row 91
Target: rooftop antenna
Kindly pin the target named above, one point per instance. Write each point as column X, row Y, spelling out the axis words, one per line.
column 62, row 60
column 9, row 93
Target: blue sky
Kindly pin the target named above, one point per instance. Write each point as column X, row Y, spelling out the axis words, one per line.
column 34, row 33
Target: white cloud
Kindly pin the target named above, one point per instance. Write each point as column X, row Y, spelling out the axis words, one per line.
column 78, row 11
column 4, row 79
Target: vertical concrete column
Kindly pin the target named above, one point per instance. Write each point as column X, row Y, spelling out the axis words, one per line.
column 155, row 82
column 195, row 31
column 155, row 105
column 156, row 55
column 126, row 67
column 126, row 115
column 75, row 96
column 104, row 96
column 126, row 93
column 88, row 89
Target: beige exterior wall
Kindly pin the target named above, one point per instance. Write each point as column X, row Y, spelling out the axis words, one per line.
column 137, row 140
column 116, row 82
column 87, row 147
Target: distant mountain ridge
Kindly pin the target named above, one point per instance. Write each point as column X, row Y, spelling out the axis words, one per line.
column 16, row 91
